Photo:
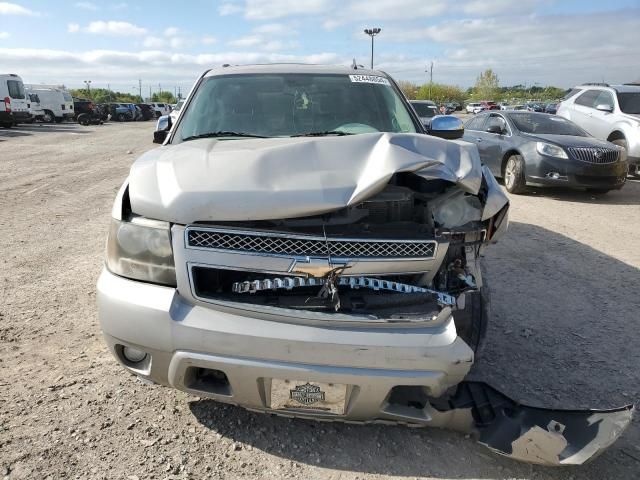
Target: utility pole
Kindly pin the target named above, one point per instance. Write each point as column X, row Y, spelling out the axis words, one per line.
column 140, row 89
column 430, row 78
column 150, row 93
column 372, row 32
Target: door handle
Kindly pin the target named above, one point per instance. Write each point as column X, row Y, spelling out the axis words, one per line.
column 478, row 140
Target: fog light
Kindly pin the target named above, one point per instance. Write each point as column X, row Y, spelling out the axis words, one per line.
column 133, row 355
column 553, row 175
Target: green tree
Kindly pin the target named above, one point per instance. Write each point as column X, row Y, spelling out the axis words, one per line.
column 163, row 97
column 487, row 86
column 102, row 95
column 441, row 93
column 409, row 89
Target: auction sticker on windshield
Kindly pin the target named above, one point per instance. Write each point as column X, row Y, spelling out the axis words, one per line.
column 369, row 79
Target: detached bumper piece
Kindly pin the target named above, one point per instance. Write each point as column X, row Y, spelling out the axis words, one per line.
column 539, row 435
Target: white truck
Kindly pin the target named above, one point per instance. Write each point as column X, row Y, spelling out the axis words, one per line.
column 13, row 101
column 35, row 109
column 56, row 102
column 161, row 109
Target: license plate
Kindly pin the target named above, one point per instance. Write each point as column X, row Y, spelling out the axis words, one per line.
column 303, row 395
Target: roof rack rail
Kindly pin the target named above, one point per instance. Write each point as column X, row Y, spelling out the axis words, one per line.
column 596, row 84
column 633, row 84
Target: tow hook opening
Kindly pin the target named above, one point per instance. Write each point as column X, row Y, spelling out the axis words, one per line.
column 207, row 380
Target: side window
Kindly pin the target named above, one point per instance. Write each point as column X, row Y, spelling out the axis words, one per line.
column 475, row 123
column 496, row 120
column 571, row 93
column 16, row 90
column 588, row 98
column 605, row 98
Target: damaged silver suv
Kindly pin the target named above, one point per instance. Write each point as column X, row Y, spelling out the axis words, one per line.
column 300, row 246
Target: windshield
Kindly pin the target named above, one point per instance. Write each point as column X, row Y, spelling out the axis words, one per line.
column 425, row 109
column 545, row 124
column 273, row 105
column 629, row 102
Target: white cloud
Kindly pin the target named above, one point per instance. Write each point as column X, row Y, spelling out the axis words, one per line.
column 248, row 41
column 501, row 7
column 73, row 28
column 7, row 8
column 209, row 40
column 268, row 9
column 114, row 28
column 262, row 37
column 4, row 35
column 87, row 6
column 154, row 42
column 171, row 31
column 229, row 9
column 275, row 29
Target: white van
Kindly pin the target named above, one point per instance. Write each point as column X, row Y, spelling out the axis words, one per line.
column 56, row 102
column 35, row 109
column 13, row 102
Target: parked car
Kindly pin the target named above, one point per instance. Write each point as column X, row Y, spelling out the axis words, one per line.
column 161, row 109
column 609, row 113
column 489, row 105
column 551, row 108
column 518, row 107
column 13, row 109
column 35, row 109
column 120, row 112
column 175, row 111
column 147, row 111
column 426, row 110
column 534, row 107
column 473, row 107
column 297, row 283
column 82, row 105
column 56, row 102
column 527, row 148
column 505, row 106
column 455, row 105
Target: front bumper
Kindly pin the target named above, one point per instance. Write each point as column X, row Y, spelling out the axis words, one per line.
column 179, row 335
column 392, row 375
column 541, row 171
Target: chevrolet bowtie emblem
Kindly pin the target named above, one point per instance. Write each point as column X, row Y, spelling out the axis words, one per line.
column 315, row 267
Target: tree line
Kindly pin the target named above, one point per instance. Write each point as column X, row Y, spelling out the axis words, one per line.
column 487, row 87
column 103, row 95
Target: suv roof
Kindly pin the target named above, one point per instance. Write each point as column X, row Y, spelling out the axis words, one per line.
column 617, row 88
column 291, row 68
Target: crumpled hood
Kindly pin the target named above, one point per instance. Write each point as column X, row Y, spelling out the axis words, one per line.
column 260, row 179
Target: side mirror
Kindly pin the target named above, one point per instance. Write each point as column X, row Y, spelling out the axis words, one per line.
column 604, row 108
column 495, row 129
column 446, row 126
column 163, row 126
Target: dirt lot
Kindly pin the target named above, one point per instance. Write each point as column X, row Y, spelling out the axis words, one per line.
column 564, row 333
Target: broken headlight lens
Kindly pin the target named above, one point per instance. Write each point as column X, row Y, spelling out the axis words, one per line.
column 551, row 150
column 140, row 249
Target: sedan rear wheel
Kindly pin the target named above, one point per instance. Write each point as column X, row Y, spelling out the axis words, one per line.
column 514, row 178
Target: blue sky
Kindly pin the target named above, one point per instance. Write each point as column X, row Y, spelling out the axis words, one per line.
column 170, row 43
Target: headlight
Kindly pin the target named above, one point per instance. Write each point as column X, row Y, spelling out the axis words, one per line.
column 550, row 150
column 140, row 249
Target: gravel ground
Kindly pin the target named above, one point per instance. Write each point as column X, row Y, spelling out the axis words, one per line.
column 564, row 333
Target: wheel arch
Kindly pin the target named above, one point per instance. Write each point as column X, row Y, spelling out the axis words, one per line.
column 616, row 135
column 505, row 157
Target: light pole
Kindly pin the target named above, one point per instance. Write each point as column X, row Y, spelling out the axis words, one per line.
column 88, row 84
column 372, row 32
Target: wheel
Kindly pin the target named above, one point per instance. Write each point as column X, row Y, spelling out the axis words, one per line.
column 121, row 117
column 471, row 322
column 598, row 191
column 48, row 116
column 83, row 119
column 7, row 125
column 514, row 179
column 59, row 119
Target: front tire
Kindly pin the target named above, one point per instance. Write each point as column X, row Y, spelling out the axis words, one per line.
column 121, row 117
column 514, row 177
column 48, row 117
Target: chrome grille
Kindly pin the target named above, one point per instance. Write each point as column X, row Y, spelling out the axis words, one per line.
column 599, row 155
column 308, row 246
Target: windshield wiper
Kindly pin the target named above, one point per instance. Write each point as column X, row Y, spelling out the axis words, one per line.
column 222, row 134
column 323, row 134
